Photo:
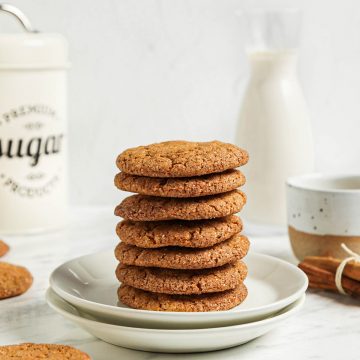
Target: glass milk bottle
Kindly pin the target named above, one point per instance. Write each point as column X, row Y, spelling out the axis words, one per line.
column 33, row 189
column 274, row 124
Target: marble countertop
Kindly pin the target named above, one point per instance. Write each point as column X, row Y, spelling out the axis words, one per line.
column 328, row 326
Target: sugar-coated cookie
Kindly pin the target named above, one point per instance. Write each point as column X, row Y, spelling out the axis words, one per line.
column 14, row 280
column 145, row 300
column 192, row 234
column 183, row 282
column 181, row 187
column 152, row 208
column 31, row 351
column 181, row 159
column 220, row 254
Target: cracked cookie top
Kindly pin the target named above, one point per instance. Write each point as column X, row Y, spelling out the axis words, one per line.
column 191, row 234
column 181, row 159
column 181, row 187
column 218, row 301
column 153, row 208
column 183, row 282
column 220, row 254
column 30, row 351
column 14, row 280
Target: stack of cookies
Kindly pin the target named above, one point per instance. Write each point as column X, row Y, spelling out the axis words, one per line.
column 181, row 245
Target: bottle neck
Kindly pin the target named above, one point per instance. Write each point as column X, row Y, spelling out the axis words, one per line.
column 270, row 64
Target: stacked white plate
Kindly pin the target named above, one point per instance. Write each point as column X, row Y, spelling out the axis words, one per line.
column 84, row 290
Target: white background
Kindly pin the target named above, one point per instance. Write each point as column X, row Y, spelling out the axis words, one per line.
column 151, row 70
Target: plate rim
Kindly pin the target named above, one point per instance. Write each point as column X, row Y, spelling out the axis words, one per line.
column 75, row 300
column 293, row 308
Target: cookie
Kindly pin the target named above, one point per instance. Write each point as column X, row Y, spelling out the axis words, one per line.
column 153, row 208
column 219, row 301
column 4, row 248
column 181, row 187
column 192, row 234
column 31, row 351
column 14, row 280
column 220, row 254
column 183, row 282
column 181, row 159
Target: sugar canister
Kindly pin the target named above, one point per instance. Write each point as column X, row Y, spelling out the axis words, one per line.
column 33, row 180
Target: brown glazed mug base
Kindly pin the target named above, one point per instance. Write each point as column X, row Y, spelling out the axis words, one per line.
column 305, row 244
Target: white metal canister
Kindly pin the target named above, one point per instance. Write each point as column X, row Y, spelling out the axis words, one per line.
column 33, row 179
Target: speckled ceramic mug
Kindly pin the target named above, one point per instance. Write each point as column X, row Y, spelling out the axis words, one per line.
column 323, row 211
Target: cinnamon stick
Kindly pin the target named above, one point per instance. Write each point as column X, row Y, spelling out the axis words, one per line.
column 351, row 270
column 324, row 279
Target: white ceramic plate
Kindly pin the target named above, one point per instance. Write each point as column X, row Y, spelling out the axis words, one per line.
column 89, row 283
column 176, row 341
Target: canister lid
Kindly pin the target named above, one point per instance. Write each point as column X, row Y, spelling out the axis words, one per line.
column 33, row 50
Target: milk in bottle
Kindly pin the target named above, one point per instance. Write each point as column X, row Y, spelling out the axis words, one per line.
column 274, row 124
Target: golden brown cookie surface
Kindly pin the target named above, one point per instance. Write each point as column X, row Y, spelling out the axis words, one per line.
column 181, row 187
column 14, row 280
column 152, row 208
column 182, row 282
column 4, row 248
column 192, row 234
column 181, row 159
column 31, row 351
column 140, row 299
column 220, row 254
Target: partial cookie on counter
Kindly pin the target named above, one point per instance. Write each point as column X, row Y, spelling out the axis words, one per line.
column 220, row 254
column 31, row 351
column 4, row 248
column 181, row 159
column 145, row 300
column 14, row 280
column 183, row 282
column 191, row 234
column 152, row 208
column 181, row 187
